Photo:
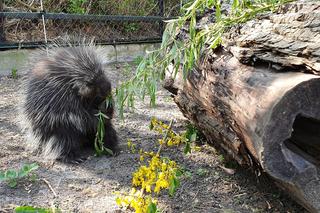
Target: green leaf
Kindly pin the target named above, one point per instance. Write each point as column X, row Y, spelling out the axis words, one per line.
column 10, row 174
column 33, row 166
column 193, row 137
column 101, row 127
column 178, row 173
column 12, row 183
column 235, row 5
column 104, row 116
column 174, row 184
column 187, row 148
column 218, row 12
column 31, row 209
column 33, row 177
column 96, row 148
column 165, row 37
column 108, row 151
column 151, row 126
column 216, row 42
column 152, row 208
column 192, row 28
column 26, row 169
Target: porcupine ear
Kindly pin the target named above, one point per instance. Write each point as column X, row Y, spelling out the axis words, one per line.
column 84, row 90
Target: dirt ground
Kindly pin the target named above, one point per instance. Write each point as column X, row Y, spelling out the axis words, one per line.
column 89, row 186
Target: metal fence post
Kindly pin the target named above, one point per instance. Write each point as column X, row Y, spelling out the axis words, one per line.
column 161, row 13
column 2, row 35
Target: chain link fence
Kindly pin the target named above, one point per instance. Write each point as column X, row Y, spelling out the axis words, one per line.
column 108, row 21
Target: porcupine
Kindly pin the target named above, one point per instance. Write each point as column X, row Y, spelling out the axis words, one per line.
column 64, row 92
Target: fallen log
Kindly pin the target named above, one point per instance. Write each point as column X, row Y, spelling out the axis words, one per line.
column 258, row 97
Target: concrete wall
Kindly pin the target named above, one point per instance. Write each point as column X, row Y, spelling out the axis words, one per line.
column 16, row 59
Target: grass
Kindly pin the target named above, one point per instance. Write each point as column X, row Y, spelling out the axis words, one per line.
column 14, row 73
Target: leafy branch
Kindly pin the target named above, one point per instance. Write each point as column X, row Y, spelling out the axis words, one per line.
column 183, row 54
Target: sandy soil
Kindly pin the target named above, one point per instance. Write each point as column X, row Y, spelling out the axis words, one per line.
column 89, row 186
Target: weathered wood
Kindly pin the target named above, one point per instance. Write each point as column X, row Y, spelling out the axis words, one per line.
column 287, row 40
column 254, row 98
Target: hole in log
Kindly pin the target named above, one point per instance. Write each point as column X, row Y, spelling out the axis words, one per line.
column 305, row 139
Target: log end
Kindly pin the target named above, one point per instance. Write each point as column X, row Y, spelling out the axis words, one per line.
column 291, row 152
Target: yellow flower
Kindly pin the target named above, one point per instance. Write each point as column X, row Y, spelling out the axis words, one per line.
column 141, row 158
column 133, row 190
column 129, row 143
column 157, row 188
column 164, row 126
column 197, row 148
column 133, row 148
column 161, row 141
column 148, row 188
column 163, row 166
column 172, row 164
column 118, row 201
column 162, row 183
column 171, row 134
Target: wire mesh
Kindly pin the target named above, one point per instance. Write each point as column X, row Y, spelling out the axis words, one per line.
column 108, row 21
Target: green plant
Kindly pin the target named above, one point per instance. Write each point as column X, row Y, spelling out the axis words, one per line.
column 99, row 140
column 13, row 176
column 14, row 74
column 131, row 27
column 191, row 136
column 31, row 209
column 76, row 6
column 137, row 60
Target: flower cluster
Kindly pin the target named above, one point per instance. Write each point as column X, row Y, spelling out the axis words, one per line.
column 155, row 173
column 172, row 139
column 138, row 201
column 156, row 176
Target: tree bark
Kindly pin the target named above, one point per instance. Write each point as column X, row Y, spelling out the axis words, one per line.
column 258, row 97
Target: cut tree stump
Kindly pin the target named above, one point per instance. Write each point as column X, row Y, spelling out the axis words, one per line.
column 258, row 97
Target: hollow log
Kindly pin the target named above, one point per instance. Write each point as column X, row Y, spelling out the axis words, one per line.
column 258, row 97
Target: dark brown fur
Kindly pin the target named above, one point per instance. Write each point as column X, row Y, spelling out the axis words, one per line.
column 65, row 91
